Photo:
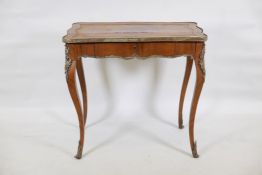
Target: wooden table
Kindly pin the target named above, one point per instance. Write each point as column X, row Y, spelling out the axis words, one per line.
column 134, row 40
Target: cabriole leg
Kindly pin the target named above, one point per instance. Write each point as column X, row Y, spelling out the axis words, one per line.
column 81, row 76
column 200, row 78
column 70, row 71
column 183, row 90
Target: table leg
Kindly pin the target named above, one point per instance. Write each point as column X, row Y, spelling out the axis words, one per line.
column 70, row 69
column 200, row 78
column 81, row 76
column 189, row 63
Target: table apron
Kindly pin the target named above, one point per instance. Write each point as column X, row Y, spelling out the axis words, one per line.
column 141, row 50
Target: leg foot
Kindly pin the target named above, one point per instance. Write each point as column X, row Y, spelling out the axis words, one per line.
column 180, row 124
column 79, row 151
column 194, row 150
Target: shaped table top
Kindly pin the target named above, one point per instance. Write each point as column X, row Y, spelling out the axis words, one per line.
column 97, row 32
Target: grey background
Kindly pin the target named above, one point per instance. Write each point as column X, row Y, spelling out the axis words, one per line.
column 132, row 117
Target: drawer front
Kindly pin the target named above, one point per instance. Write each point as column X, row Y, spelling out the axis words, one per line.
column 165, row 49
column 123, row 50
column 156, row 49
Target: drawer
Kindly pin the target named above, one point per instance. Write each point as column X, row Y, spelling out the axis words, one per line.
column 165, row 49
column 124, row 50
column 156, row 49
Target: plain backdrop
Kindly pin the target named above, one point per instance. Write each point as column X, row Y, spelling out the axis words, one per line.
column 133, row 105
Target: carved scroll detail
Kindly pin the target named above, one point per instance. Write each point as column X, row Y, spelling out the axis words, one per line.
column 202, row 61
column 68, row 61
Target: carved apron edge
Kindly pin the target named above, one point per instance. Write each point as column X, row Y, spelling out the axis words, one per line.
column 202, row 61
column 68, row 61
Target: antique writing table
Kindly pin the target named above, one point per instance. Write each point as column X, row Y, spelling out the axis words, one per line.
column 134, row 40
